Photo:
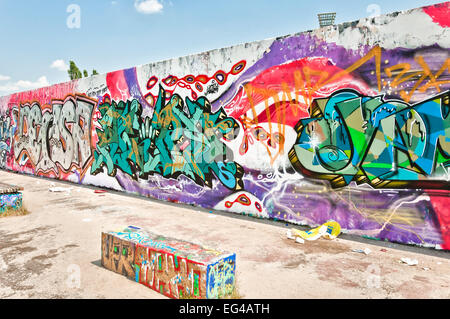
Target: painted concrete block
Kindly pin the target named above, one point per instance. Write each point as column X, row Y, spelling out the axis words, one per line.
column 10, row 196
column 10, row 200
column 172, row 267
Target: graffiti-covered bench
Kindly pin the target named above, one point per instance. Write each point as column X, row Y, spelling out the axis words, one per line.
column 172, row 267
column 10, row 197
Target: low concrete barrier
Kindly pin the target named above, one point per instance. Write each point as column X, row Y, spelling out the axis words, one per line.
column 10, row 197
column 175, row 268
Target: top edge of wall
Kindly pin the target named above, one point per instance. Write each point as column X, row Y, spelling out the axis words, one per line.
column 338, row 27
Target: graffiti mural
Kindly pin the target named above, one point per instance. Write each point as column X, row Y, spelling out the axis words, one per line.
column 387, row 143
column 6, row 137
column 176, row 140
column 55, row 138
column 348, row 123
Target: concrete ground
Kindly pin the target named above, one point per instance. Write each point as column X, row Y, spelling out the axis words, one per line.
column 54, row 252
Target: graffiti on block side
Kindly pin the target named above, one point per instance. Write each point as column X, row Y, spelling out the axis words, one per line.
column 13, row 201
column 118, row 255
column 169, row 274
column 221, row 278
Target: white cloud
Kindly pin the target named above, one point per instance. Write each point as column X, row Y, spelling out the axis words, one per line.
column 148, row 6
column 59, row 65
column 4, row 77
column 23, row 85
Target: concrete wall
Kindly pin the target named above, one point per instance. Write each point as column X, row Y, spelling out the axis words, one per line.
column 347, row 122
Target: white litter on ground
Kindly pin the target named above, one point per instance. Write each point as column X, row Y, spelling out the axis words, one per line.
column 289, row 235
column 60, row 189
column 366, row 251
column 409, row 261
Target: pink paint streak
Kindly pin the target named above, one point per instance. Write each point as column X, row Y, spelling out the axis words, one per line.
column 284, row 78
column 440, row 205
column 117, row 85
column 439, row 13
column 281, row 95
column 43, row 96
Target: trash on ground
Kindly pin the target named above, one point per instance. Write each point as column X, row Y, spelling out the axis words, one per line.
column 383, row 250
column 426, row 268
column 409, row 261
column 289, row 235
column 60, row 189
column 362, row 251
column 329, row 230
column 99, row 191
column 333, row 230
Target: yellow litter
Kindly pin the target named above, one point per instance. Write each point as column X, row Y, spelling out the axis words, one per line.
column 329, row 230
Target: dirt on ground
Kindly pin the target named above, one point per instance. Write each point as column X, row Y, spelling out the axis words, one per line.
column 54, row 251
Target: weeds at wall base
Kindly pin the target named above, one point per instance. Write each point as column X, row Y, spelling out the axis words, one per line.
column 11, row 212
column 235, row 294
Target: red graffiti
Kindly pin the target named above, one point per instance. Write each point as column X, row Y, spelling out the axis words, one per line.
column 439, row 13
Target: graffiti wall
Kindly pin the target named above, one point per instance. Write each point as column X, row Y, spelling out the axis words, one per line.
column 348, row 122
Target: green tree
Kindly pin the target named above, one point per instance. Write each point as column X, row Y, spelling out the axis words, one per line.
column 74, row 72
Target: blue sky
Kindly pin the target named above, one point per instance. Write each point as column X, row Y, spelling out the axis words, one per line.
column 118, row 34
